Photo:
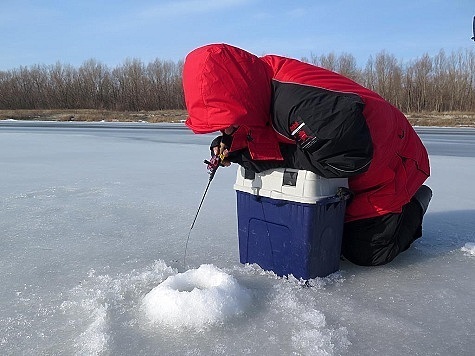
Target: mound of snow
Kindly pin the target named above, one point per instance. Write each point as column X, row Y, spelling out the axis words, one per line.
column 469, row 248
column 196, row 298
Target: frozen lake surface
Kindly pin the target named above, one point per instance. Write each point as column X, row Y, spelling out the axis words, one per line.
column 95, row 216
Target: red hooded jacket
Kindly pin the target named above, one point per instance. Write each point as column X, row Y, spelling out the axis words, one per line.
column 225, row 86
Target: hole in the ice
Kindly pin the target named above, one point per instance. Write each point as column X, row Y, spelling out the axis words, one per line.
column 189, row 288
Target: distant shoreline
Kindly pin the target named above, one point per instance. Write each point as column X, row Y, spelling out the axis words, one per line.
column 90, row 115
column 449, row 119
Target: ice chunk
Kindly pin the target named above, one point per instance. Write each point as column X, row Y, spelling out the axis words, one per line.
column 469, row 248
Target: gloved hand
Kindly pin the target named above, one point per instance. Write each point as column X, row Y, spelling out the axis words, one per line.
column 220, row 146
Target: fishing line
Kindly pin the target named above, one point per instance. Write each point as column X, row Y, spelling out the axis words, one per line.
column 213, row 165
column 193, row 223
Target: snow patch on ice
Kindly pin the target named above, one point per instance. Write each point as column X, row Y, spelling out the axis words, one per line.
column 90, row 303
column 196, row 298
column 93, row 340
column 310, row 334
column 291, row 306
column 253, row 305
column 469, row 248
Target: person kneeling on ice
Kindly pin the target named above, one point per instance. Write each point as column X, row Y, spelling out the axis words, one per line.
column 277, row 112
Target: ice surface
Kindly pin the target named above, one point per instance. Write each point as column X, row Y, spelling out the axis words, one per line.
column 93, row 218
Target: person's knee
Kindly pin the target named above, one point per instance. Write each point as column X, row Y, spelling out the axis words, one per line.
column 370, row 242
column 368, row 256
column 423, row 197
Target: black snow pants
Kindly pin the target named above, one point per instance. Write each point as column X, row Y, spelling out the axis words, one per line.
column 377, row 241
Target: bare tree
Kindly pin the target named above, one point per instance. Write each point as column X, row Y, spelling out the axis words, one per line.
column 346, row 65
column 94, row 85
column 418, row 84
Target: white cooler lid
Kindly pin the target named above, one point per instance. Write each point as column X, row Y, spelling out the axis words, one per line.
column 289, row 184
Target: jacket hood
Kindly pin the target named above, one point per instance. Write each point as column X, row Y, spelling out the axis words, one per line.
column 225, row 86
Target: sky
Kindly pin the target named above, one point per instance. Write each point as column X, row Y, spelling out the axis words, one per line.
column 111, row 31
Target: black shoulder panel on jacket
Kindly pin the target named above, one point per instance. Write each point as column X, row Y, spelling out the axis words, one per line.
column 328, row 126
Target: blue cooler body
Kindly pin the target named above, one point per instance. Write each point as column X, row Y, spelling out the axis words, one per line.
column 290, row 221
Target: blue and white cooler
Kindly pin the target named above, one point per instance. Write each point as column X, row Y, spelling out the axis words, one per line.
column 291, row 221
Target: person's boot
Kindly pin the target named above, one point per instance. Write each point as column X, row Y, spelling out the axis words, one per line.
column 423, row 197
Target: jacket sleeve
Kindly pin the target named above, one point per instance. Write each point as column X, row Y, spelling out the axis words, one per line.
column 293, row 156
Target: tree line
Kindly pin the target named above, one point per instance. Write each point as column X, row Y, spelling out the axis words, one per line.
column 444, row 82
column 441, row 83
column 132, row 86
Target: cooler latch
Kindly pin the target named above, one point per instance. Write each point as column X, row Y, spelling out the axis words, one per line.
column 290, row 178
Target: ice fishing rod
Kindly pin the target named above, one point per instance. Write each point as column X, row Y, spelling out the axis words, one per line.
column 212, row 166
